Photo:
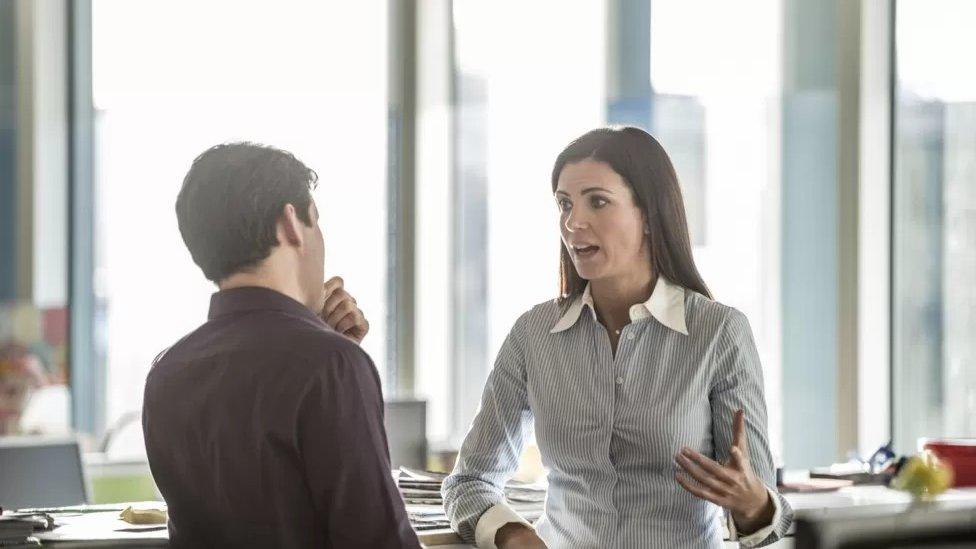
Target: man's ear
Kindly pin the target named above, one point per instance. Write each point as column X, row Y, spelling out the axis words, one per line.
column 289, row 227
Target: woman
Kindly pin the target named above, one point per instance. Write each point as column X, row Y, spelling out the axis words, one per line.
column 646, row 394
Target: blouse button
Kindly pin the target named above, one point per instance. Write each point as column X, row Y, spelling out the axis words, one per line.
column 630, row 336
column 620, row 381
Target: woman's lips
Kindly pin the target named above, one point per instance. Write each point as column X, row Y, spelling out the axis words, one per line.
column 585, row 252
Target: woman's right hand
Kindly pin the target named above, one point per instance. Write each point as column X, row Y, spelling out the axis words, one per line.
column 515, row 535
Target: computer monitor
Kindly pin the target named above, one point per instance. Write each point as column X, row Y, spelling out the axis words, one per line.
column 406, row 433
column 928, row 527
column 41, row 472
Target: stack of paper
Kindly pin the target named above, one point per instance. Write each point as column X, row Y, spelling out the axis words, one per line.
column 419, row 487
column 17, row 532
column 421, row 491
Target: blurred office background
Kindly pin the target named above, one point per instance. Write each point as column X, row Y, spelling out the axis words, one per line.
column 826, row 150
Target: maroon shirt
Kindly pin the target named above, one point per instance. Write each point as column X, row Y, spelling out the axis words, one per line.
column 264, row 428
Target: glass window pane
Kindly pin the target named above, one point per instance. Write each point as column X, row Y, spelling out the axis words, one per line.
column 934, row 222
column 519, row 101
column 715, row 110
column 34, row 372
column 172, row 78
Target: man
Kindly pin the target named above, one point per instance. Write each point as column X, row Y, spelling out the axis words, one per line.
column 264, row 426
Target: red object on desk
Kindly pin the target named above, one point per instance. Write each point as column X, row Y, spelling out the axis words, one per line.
column 958, row 453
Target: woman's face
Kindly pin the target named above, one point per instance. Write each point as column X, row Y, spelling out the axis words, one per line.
column 602, row 227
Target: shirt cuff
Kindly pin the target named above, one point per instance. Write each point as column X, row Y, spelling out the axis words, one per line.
column 491, row 520
column 758, row 536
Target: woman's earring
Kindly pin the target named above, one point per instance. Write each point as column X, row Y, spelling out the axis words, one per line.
column 646, row 230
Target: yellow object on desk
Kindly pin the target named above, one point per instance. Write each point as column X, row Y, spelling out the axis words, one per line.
column 143, row 516
column 923, row 476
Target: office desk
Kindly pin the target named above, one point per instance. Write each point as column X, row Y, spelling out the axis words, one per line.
column 101, row 527
column 877, row 498
column 104, row 529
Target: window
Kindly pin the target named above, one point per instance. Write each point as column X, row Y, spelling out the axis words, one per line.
column 311, row 77
column 934, row 223
column 713, row 99
column 716, row 98
column 34, row 397
column 308, row 77
column 518, row 102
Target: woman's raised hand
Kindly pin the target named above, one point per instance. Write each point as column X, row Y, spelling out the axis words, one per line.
column 732, row 485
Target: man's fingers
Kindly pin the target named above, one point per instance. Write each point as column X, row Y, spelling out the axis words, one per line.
column 333, row 301
column 350, row 321
column 698, row 491
column 354, row 326
column 703, row 477
column 339, row 312
column 708, row 464
column 333, row 284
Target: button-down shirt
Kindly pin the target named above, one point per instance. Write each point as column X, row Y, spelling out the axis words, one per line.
column 264, row 428
column 609, row 425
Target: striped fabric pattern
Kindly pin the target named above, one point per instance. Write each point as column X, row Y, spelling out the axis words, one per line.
column 608, row 427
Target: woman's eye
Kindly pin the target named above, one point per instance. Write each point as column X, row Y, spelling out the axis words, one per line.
column 565, row 205
column 598, row 202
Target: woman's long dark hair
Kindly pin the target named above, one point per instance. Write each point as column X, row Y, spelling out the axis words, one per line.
column 644, row 165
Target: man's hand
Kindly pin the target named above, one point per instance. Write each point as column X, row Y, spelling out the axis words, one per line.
column 516, row 535
column 733, row 485
column 341, row 312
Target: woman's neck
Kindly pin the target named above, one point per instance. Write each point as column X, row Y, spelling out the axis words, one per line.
column 613, row 297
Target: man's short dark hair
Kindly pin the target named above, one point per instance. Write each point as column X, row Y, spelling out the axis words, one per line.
column 231, row 200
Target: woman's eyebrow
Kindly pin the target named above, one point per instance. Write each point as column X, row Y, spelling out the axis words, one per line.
column 587, row 190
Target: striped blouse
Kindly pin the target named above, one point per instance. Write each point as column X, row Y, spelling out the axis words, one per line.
column 608, row 427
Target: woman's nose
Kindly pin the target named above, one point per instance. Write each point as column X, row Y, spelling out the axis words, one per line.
column 574, row 221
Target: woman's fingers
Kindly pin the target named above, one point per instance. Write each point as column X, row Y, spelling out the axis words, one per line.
column 706, row 479
column 738, row 427
column 738, row 460
column 711, row 466
column 701, row 492
column 739, row 438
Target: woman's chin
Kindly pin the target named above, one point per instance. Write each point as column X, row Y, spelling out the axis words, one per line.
column 587, row 273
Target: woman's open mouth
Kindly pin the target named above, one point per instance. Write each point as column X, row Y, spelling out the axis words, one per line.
column 585, row 252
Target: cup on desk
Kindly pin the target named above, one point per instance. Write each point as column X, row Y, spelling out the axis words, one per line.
column 957, row 453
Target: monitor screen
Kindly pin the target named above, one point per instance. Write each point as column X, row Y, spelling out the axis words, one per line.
column 40, row 472
column 406, row 433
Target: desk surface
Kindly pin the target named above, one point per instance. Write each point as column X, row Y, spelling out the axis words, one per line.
column 100, row 526
column 104, row 529
column 872, row 499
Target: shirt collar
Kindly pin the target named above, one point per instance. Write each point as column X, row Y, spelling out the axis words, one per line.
column 257, row 298
column 666, row 305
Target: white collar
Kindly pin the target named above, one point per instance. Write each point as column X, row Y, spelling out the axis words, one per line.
column 666, row 304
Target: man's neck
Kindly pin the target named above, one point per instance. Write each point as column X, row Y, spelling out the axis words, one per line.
column 283, row 285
